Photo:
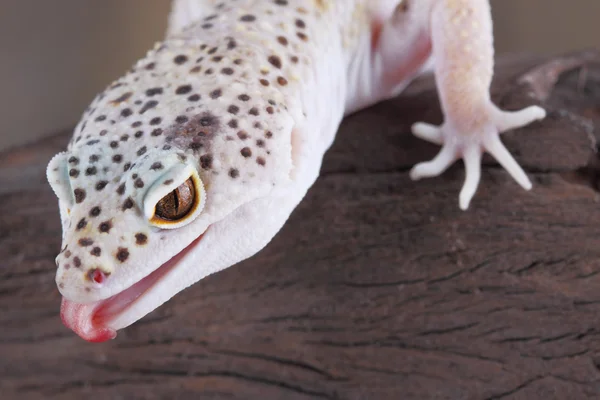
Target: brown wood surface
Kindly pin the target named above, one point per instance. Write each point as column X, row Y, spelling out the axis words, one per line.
column 377, row 287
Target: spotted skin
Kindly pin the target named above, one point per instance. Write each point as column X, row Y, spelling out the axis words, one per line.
column 243, row 97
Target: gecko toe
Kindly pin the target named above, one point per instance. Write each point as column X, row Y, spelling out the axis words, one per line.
column 428, row 132
column 435, row 167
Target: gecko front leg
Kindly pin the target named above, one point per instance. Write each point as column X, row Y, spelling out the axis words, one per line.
column 461, row 37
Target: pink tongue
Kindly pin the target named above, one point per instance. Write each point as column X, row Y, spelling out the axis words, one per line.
column 79, row 318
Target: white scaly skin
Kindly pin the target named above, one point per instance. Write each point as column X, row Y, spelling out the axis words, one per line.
column 245, row 97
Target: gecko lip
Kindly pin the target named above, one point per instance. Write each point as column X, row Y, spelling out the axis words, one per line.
column 92, row 321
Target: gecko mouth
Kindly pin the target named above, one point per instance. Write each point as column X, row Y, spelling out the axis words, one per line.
column 94, row 322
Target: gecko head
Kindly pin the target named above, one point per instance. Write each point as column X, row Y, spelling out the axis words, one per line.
column 144, row 219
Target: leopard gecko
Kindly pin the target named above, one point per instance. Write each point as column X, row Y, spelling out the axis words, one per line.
column 195, row 158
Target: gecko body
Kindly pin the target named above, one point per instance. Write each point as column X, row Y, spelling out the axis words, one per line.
column 194, row 160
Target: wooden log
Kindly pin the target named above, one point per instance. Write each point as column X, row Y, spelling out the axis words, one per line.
column 377, row 288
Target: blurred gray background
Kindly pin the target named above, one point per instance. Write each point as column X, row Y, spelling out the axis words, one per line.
column 57, row 54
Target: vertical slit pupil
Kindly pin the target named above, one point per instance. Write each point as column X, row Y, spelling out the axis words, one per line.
column 177, row 204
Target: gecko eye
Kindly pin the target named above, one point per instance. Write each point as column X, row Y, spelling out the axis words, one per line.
column 175, row 199
column 177, row 204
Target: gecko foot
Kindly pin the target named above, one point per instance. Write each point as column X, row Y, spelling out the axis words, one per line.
column 470, row 145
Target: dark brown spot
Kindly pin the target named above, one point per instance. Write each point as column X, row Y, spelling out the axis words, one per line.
column 246, row 152
column 282, row 81
column 149, row 105
column 302, row 36
column 122, row 98
column 260, row 161
column 206, row 161
column 114, row 144
column 248, row 18
column 95, row 211
column 85, row 242
column 126, row 167
column 233, row 109
column 150, row 66
column 295, row 59
column 217, row 58
column 234, row 173
column 264, row 82
column 182, row 119
column 105, row 227
column 300, row 24
column 168, row 182
column 121, row 189
column 227, row 71
column 244, row 97
column 156, row 166
column 270, row 110
column 141, row 239
column 185, row 89
column 73, row 160
column 91, row 171
column 157, row 132
column 282, row 40
column 81, row 224
column 260, row 143
column 269, row 134
column 100, row 118
column 194, row 97
column 117, row 158
column 77, row 262
column 275, row 61
column 154, row 91
column 128, row 204
column 74, row 173
column 94, row 158
column 243, row 135
column 155, row 121
column 215, row 94
column 101, row 185
column 139, row 183
column 96, row 252
column 122, row 255
column 281, row 2
column 196, row 69
column 254, row 111
column 79, row 195
column 142, row 151
column 180, row 59
column 67, row 253
column 126, row 112
column 233, row 124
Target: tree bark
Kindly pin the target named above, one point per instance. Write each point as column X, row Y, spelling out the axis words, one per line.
column 377, row 287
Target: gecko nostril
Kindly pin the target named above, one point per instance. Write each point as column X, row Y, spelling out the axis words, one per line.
column 97, row 275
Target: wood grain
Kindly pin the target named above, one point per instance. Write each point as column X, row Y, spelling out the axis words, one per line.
column 377, row 287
